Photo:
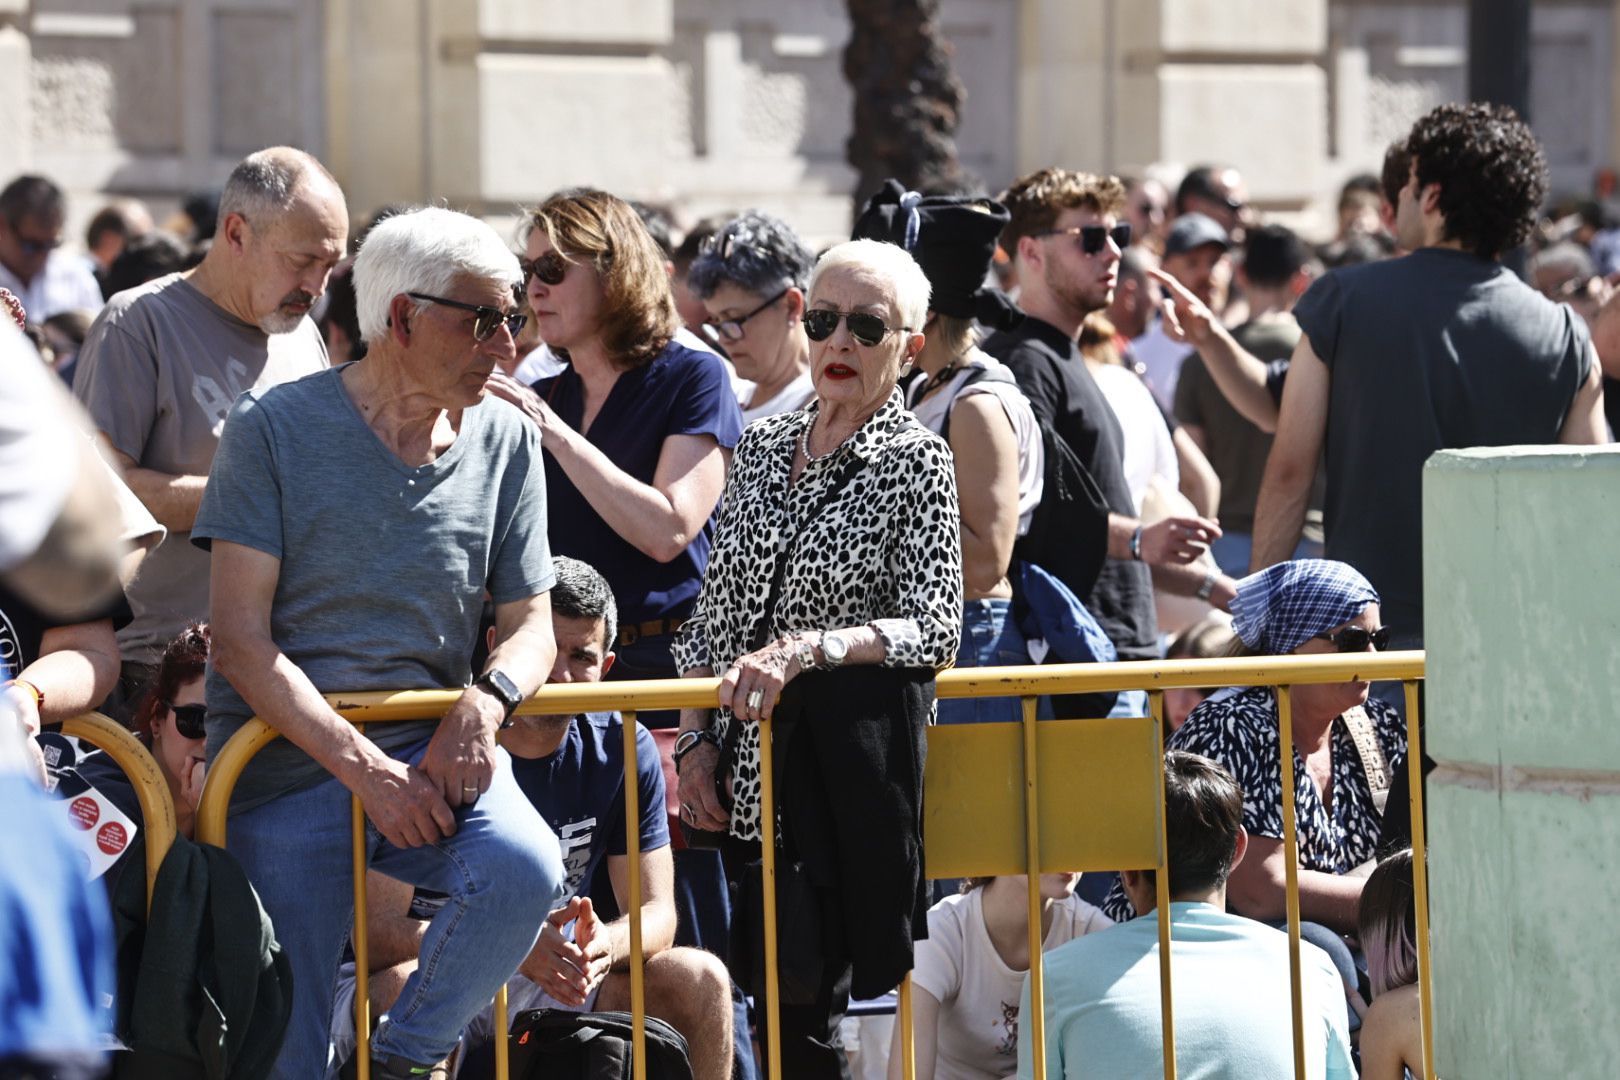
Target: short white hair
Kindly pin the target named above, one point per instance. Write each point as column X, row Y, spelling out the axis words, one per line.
column 888, row 263
column 425, row 251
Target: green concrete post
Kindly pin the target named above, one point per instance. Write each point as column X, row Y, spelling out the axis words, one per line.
column 1521, row 562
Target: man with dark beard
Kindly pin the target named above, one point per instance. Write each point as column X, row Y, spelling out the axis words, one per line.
column 163, row 363
column 1065, row 239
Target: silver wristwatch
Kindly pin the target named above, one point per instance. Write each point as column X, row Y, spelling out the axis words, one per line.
column 834, row 650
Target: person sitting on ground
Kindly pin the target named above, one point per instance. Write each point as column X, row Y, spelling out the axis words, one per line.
column 169, row 723
column 572, row 769
column 1392, row 1031
column 1230, row 975
column 964, row 1000
column 1346, row 748
column 751, row 276
column 972, row 400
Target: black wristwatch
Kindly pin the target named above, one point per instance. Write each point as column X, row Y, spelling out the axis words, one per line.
column 505, row 690
column 690, row 740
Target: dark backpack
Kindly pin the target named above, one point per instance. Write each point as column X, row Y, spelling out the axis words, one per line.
column 554, row 1044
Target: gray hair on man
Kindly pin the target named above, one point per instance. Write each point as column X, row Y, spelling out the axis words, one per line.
column 425, row 251
column 263, row 184
column 887, row 263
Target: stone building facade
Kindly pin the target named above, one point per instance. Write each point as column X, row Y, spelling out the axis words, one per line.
column 715, row 104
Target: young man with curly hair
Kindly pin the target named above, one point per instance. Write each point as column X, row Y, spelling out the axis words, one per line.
column 1442, row 348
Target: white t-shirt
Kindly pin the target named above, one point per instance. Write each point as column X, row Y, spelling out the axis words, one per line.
column 1149, row 450
column 1027, row 432
column 40, row 446
column 792, row 396
column 66, row 284
column 1161, row 358
column 978, row 993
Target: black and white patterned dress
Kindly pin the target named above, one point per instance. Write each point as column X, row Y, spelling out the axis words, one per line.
column 1238, row 728
column 885, row 552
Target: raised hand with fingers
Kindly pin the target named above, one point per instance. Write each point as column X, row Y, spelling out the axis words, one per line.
column 1177, row 540
column 1187, row 319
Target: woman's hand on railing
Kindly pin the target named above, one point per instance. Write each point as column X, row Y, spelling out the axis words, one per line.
column 751, row 687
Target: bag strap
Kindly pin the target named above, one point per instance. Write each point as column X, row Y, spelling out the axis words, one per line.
column 973, row 376
column 1373, row 761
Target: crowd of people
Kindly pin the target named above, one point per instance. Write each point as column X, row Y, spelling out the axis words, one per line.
column 1086, row 418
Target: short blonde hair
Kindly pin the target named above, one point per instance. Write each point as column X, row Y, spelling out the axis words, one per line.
column 890, row 264
column 638, row 316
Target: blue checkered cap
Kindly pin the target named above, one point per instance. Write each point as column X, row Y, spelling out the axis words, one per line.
column 1285, row 605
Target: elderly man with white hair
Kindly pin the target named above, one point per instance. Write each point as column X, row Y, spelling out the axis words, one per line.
column 357, row 517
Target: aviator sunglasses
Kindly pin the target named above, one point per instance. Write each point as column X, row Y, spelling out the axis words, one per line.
column 489, row 318
column 1093, row 238
column 550, row 268
column 188, row 719
column 1356, row 639
column 820, row 323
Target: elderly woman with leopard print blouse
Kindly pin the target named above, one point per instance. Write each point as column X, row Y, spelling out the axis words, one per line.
column 838, row 542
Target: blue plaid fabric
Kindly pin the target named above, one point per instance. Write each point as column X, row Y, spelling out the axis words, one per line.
column 1283, row 606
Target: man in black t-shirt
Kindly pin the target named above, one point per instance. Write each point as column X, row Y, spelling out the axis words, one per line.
column 1065, row 240
column 1441, row 348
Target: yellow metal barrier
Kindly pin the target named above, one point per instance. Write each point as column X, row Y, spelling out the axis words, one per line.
column 1135, row 840
column 157, row 807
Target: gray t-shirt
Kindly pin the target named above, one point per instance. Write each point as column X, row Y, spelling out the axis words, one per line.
column 1435, row 350
column 158, row 372
column 383, row 566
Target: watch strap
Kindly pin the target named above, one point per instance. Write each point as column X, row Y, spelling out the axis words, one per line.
column 689, row 740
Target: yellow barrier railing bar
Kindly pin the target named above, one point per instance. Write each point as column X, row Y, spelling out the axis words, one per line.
column 767, row 856
column 503, row 1048
column 1420, row 878
column 362, row 950
column 1161, row 885
column 157, row 806
column 908, row 1034
column 1023, row 682
column 632, row 840
column 1285, row 754
column 1032, row 881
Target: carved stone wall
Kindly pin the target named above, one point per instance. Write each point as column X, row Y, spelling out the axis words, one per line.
column 711, row 105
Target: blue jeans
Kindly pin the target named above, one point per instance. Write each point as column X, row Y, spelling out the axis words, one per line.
column 502, row 871
column 990, row 638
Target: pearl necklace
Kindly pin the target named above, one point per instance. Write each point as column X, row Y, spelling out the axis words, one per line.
column 804, row 444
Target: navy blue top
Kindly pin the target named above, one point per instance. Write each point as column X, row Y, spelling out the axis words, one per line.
column 681, row 392
column 579, row 790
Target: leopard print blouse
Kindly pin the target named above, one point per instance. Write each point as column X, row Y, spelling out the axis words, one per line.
column 884, row 552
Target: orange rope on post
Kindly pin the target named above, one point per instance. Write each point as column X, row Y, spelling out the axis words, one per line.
column 1032, row 871
column 1420, row 876
column 362, row 953
column 632, row 847
column 767, row 856
column 1161, row 885
column 1285, row 748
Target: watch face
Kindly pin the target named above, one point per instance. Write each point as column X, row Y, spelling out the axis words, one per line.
column 835, row 649
column 504, row 688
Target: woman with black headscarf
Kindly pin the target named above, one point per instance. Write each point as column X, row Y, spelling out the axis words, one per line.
column 972, row 400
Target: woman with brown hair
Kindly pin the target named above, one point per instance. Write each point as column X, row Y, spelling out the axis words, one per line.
column 637, row 428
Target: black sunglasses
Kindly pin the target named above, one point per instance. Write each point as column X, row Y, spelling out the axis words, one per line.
column 489, row 318
column 188, row 719
column 550, row 268
column 1356, row 639
column 732, row 329
column 820, row 323
column 1093, row 238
